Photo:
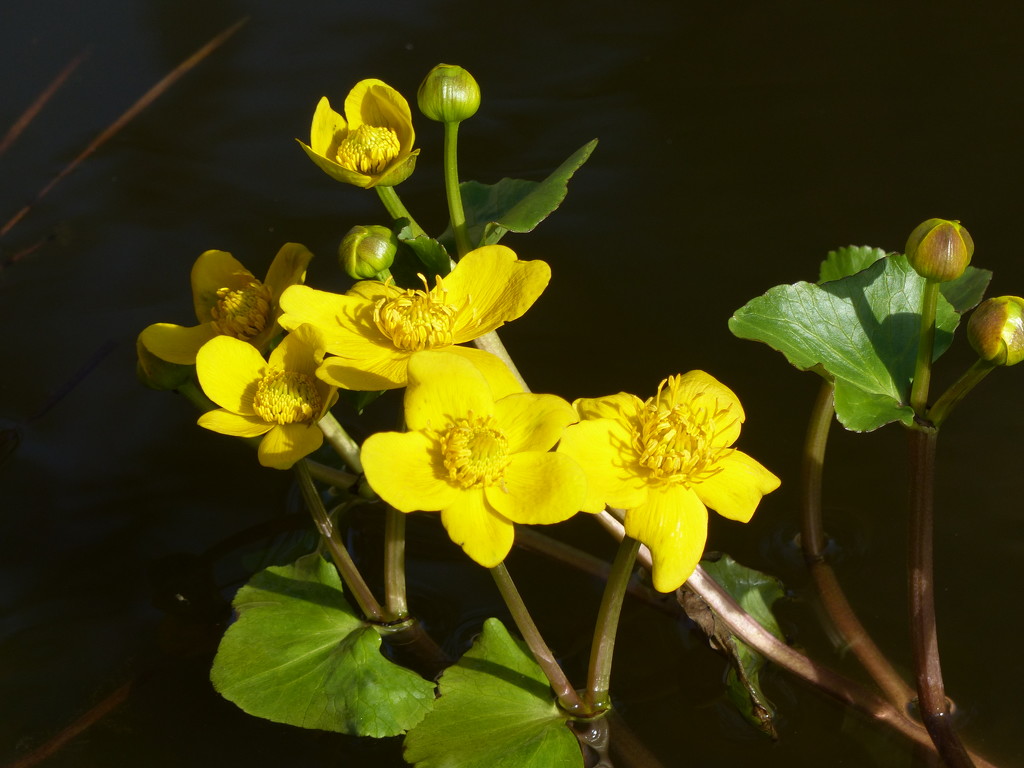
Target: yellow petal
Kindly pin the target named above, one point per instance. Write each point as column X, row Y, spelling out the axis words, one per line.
column 285, row 444
column 539, row 488
column 228, row 423
column 603, row 448
column 704, row 390
column 407, row 471
column 175, row 343
column 346, row 322
column 324, row 132
column 484, row 534
column 500, row 379
column 288, row 268
column 229, row 370
column 365, row 375
column 500, row 286
column 212, row 271
column 623, row 408
column 444, row 387
column 374, row 102
column 533, row 422
column 294, row 353
column 674, row 525
column 736, row 489
column 336, row 171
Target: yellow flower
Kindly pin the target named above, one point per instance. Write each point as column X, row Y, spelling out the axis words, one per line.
column 375, row 328
column 478, row 452
column 372, row 144
column 281, row 399
column 229, row 301
column 664, row 462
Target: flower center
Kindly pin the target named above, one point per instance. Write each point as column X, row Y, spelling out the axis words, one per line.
column 416, row 320
column 243, row 312
column 286, row 397
column 475, row 452
column 676, row 439
column 368, row 149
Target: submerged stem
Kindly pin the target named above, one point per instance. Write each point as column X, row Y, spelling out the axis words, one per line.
column 812, row 539
column 567, row 696
column 353, row 580
column 924, row 636
column 607, row 624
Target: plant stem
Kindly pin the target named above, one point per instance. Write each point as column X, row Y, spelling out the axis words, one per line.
column 924, row 637
column 925, row 348
column 397, row 210
column 952, row 396
column 750, row 631
column 344, row 446
column 354, row 583
column 338, row 478
column 490, row 342
column 567, row 696
column 451, row 188
column 603, row 646
column 812, row 540
column 394, row 564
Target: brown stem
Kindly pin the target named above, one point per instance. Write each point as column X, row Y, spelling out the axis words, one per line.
column 931, row 692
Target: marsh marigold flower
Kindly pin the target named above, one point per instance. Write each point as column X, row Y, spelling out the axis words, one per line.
column 664, row 461
column 229, row 301
column 372, row 144
column 281, row 399
column 477, row 451
column 375, row 328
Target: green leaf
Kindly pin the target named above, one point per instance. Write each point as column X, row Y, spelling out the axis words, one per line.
column 844, row 262
column 430, row 252
column 966, row 291
column 516, row 205
column 862, row 330
column 496, row 711
column 299, row 655
column 756, row 593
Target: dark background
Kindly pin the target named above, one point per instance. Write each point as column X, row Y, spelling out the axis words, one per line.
column 739, row 142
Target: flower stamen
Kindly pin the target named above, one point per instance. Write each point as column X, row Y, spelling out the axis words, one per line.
column 416, row 320
column 368, row 149
column 475, row 452
column 286, row 397
column 242, row 312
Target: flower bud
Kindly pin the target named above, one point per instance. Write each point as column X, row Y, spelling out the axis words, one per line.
column 940, row 250
column 448, row 94
column 365, row 252
column 996, row 330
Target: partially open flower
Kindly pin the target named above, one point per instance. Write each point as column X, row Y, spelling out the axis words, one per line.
column 281, row 399
column 996, row 330
column 372, row 144
column 229, row 301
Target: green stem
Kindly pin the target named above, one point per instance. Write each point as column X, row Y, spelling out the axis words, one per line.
column 567, row 696
column 338, row 478
column 925, row 348
column 354, row 583
column 490, row 342
column 451, row 188
column 345, row 446
column 607, row 624
column 812, row 540
column 394, row 564
column 952, row 396
column 397, row 210
column 931, row 692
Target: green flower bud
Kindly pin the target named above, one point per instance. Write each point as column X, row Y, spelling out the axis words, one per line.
column 448, row 94
column 940, row 250
column 365, row 252
column 996, row 330
column 159, row 374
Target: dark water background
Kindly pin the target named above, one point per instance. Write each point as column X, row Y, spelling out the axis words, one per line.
column 740, row 142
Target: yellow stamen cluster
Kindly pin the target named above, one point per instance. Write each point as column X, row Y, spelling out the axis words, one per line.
column 242, row 312
column 475, row 452
column 286, row 397
column 416, row 320
column 368, row 149
column 676, row 439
